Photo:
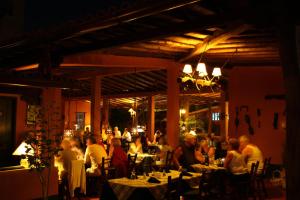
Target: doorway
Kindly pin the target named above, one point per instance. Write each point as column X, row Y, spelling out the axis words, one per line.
column 7, row 130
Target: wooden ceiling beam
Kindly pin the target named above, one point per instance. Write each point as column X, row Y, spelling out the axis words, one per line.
column 160, row 32
column 212, row 41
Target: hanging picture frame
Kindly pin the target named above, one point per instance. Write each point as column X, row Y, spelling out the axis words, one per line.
column 32, row 114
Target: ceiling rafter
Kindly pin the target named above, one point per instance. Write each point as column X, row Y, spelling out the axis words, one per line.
column 212, row 41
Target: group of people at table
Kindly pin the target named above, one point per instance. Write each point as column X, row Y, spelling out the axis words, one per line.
column 239, row 156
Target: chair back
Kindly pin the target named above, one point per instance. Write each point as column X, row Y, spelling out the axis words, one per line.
column 169, row 159
column 131, row 164
column 254, row 168
column 266, row 166
column 107, row 171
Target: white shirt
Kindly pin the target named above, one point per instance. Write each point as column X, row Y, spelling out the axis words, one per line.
column 93, row 155
column 117, row 134
column 237, row 164
column 127, row 136
column 255, row 156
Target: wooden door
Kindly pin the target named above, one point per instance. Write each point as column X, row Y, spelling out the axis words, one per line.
column 7, row 130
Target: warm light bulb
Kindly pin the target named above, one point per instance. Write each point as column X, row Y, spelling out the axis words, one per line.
column 217, row 72
column 187, row 69
column 182, row 111
column 201, row 68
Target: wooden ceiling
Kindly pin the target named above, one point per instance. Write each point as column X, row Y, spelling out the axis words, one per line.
column 218, row 32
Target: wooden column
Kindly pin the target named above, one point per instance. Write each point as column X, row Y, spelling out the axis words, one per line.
column 105, row 114
column 52, row 109
column 209, row 116
column 95, row 105
column 173, row 105
column 289, row 53
column 151, row 118
column 224, row 117
column 186, row 107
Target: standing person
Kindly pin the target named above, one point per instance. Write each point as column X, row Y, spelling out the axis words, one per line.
column 185, row 154
column 93, row 155
column 64, row 158
column 251, row 153
column 117, row 133
column 126, row 135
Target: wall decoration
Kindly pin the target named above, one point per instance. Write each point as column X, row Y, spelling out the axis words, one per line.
column 236, row 120
column 33, row 112
column 258, row 112
column 247, row 119
column 275, row 120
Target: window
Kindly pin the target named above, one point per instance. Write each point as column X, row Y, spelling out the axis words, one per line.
column 215, row 116
column 80, row 119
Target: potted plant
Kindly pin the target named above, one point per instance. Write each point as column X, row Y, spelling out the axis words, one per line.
column 43, row 142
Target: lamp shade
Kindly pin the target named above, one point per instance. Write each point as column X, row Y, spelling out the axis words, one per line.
column 22, row 149
column 187, row 69
column 201, row 68
column 217, row 72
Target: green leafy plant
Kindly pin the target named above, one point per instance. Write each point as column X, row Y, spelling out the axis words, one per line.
column 43, row 142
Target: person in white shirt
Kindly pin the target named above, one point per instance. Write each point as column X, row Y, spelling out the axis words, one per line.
column 93, row 155
column 234, row 160
column 117, row 133
column 126, row 135
column 136, row 146
column 251, row 153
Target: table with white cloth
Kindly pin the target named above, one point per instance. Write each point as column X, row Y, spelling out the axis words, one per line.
column 123, row 188
column 76, row 175
column 201, row 168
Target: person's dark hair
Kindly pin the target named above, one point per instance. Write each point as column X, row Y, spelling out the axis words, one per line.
column 234, row 143
column 92, row 139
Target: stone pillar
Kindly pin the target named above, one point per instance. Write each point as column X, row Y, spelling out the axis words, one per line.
column 151, row 118
column 95, row 105
column 173, row 105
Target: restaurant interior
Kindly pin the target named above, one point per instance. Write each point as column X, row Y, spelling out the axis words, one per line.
column 189, row 99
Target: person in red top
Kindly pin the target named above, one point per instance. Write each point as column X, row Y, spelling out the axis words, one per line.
column 118, row 158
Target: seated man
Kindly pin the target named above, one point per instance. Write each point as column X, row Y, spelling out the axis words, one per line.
column 93, row 155
column 185, row 154
column 251, row 153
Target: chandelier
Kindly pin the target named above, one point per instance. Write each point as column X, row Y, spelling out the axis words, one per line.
column 199, row 76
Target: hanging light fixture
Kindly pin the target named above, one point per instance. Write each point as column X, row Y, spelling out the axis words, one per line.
column 198, row 77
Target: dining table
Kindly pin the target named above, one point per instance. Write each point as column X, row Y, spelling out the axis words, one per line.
column 124, row 188
column 211, row 167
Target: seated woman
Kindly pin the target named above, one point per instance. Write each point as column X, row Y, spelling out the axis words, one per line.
column 164, row 147
column 64, row 158
column 234, row 160
column 205, row 152
column 136, row 146
column 118, row 158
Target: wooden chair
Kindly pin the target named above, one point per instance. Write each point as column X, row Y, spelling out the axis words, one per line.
column 107, row 171
column 169, row 160
column 260, row 178
column 252, row 190
column 131, row 164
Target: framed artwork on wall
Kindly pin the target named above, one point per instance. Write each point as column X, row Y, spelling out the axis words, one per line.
column 32, row 114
